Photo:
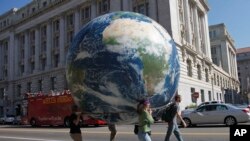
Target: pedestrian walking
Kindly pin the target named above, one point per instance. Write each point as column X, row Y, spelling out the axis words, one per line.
column 172, row 125
column 75, row 127
column 145, row 119
column 112, row 129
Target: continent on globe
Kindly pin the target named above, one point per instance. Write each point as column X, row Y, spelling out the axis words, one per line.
column 118, row 59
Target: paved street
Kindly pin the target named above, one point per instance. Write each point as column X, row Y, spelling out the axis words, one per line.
column 125, row 133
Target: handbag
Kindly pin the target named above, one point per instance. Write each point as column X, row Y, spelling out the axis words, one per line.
column 136, row 129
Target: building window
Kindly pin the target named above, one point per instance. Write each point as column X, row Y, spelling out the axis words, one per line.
column 209, row 96
column 1, row 93
column 202, row 96
column 142, row 8
column 189, row 68
column 56, row 42
column 22, row 69
column 40, row 85
column 43, row 29
column 43, row 63
column 206, row 75
column 192, row 98
column 19, row 88
column 86, row 13
column 53, row 82
column 44, row 4
column 32, row 36
column 70, row 36
column 70, row 20
column 44, row 46
column 29, row 87
column 199, row 72
column 212, row 34
column 56, row 25
column 56, row 60
column 32, row 66
column 218, row 80
column 103, row 6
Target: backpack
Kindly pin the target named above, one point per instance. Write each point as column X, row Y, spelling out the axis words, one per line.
column 169, row 113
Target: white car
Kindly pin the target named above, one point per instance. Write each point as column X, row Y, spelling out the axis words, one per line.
column 209, row 102
column 7, row 119
column 216, row 113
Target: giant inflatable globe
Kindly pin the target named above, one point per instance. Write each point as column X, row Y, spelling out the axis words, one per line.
column 118, row 59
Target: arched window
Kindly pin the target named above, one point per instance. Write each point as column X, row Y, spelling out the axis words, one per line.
column 189, row 68
column 199, row 72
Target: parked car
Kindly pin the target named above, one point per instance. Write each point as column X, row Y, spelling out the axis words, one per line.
column 7, row 119
column 209, row 102
column 188, row 110
column 216, row 113
column 93, row 121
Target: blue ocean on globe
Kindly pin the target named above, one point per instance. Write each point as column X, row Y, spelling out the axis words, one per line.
column 116, row 60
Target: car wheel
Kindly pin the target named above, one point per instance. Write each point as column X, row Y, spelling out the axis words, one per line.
column 188, row 122
column 230, row 121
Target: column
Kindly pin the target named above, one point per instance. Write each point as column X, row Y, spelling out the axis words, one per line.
column 37, row 46
column 115, row 5
column 26, row 52
column 93, row 9
column 153, row 9
column 196, row 26
column 11, row 56
column 187, row 21
column 236, row 68
column 127, row 5
column 61, row 41
column 48, row 45
column 77, row 21
column 207, row 39
column 17, row 56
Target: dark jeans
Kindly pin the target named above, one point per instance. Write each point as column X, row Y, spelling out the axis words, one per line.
column 173, row 127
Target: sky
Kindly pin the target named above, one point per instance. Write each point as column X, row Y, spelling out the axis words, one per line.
column 233, row 13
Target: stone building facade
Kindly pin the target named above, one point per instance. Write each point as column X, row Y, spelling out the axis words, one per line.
column 223, row 53
column 243, row 61
column 34, row 41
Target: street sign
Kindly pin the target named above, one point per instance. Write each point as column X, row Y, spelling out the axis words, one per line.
column 195, row 95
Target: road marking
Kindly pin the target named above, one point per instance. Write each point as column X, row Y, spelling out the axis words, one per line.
column 21, row 138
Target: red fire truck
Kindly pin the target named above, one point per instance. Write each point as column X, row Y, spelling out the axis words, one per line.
column 53, row 109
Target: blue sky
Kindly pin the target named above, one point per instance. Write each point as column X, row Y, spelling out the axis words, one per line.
column 233, row 13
